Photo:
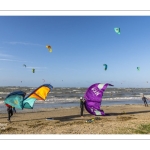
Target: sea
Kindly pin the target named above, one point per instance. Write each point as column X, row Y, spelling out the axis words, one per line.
column 69, row 97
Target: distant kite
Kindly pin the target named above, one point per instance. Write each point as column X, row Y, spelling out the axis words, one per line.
column 49, row 48
column 24, row 65
column 105, row 66
column 138, row 68
column 33, row 70
column 117, row 30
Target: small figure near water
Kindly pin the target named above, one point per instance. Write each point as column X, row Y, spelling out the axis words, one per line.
column 82, row 105
column 144, row 100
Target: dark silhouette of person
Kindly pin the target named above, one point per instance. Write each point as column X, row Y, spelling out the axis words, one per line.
column 144, row 100
column 81, row 106
column 10, row 112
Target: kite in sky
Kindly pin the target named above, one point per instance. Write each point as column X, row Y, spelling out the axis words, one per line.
column 18, row 100
column 105, row 66
column 117, row 30
column 93, row 98
column 49, row 48
column 24, row 65
column 33, row 70
column 138, row 68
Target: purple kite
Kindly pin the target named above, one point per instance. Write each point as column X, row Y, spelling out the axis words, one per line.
column 93, row 98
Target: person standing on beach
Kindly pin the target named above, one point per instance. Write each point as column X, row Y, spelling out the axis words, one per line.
column 82, row 105
column 144, row 100
column 10, row 112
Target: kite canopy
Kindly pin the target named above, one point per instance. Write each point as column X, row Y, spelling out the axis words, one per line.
column 18, row 99
column 49, row 48
column 33, row 70
column 117, row 30
column 15, row 99
column 105, row 66
column 93, row 98
column 138, row 68
column 24, row 65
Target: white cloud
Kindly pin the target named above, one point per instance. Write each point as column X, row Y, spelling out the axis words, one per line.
column 23, row 43
column 11, row 60
column 5, row 55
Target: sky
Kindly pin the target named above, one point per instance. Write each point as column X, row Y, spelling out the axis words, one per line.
column 80, row 47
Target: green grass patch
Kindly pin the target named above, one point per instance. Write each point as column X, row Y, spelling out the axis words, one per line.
column 143, row 129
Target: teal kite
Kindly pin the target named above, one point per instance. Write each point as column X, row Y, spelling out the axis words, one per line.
column 105, row 66
column 117, row 30
column 138, row 68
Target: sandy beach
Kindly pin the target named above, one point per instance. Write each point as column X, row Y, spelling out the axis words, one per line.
column 123, row 119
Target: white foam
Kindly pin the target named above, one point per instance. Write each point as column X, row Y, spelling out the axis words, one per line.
column 4, row 92
column 75, row 90
column 76, row 99
column 122, row 98
column 1, row 102
column 11, row 88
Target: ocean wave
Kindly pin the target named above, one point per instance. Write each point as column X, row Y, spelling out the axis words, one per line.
column 76, row 99
column 122, row 98
column 4, row 92
column 75, row 90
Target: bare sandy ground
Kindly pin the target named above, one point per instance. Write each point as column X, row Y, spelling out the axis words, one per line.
column 124, row 119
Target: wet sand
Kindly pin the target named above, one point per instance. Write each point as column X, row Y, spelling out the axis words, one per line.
column 123, row 119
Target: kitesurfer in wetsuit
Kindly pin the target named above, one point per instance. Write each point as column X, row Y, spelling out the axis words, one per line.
column 81, row 106
column 10, row 112
column 144, row 100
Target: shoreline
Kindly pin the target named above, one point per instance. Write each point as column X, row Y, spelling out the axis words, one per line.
column 121, row 119
column 58, row 105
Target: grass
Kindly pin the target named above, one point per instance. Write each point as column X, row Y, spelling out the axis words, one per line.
column 143, row 129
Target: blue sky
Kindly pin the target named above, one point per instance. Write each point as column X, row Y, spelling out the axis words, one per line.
column 80, row 44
